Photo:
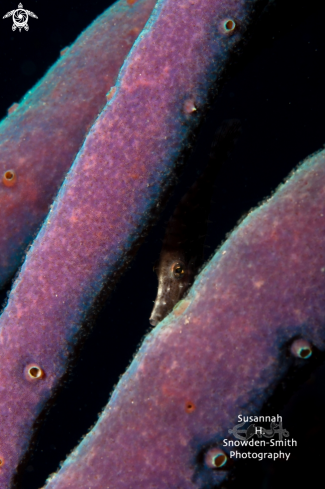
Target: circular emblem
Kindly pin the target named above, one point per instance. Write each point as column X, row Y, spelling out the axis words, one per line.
column 20, row 19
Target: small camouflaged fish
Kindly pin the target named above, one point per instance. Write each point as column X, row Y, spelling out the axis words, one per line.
column 183, row 245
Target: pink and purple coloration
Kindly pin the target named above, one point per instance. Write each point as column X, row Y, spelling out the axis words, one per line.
column 197, row 414
column 200, row 367
column 106, row 202
column 42, row 134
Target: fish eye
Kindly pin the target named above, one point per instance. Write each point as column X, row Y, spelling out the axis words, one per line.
column 178, row 270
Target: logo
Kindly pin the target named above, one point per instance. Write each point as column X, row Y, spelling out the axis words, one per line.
column 20, row 18
column 245, row 434
column 275, row 437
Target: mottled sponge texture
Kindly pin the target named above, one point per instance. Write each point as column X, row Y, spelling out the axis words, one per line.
column 220, row 353
column 107, row 200
column 42, row 134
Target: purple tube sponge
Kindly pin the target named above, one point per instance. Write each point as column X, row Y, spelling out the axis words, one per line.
column 106, row 202
column 256, row 310
column 42, row 134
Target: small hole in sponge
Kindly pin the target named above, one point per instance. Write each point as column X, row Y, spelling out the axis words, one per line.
column 34, row 372
column 216, row 458
column 189, row 106
column 228, row 26
column 1, row 461
column 190, row 407
column 301, row 349
column 9, row 178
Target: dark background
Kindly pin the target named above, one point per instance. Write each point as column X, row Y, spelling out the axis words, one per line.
column 277, row 92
